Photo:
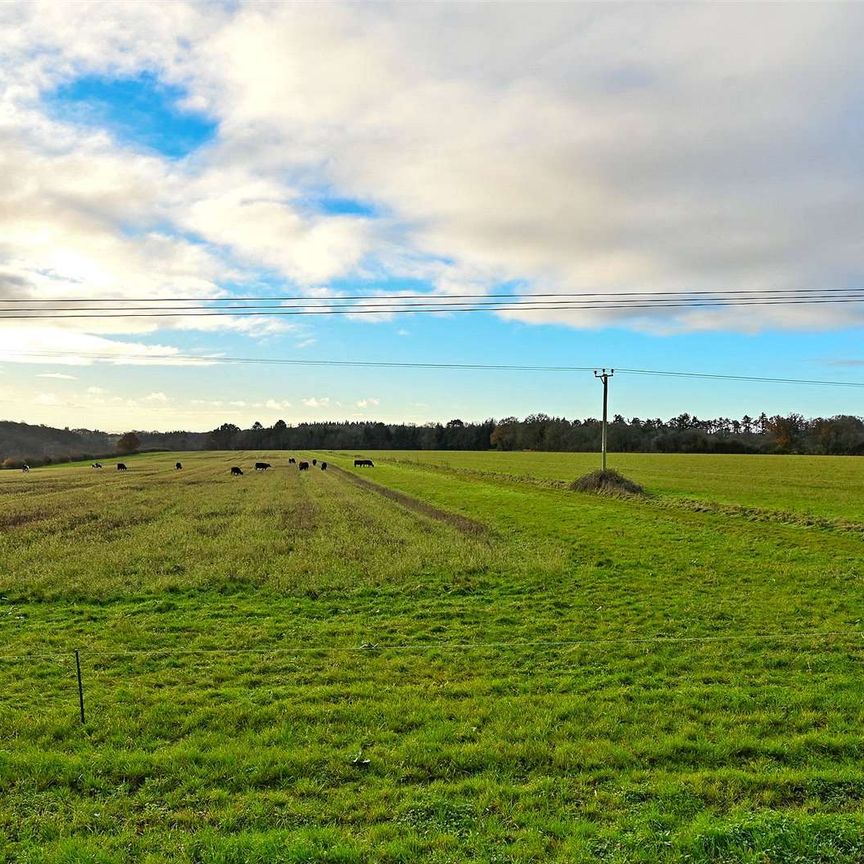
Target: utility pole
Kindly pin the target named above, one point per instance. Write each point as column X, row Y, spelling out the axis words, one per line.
column 604, row 376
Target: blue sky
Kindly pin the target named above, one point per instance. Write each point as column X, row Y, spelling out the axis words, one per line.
column 260, row 151
column 139, row 111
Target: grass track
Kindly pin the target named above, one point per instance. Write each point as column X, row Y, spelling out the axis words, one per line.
column 588, row 680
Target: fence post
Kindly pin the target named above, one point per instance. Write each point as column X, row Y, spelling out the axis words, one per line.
column 80, row 685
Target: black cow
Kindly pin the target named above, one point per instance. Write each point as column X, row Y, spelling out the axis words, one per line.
column 323, row 466
column 314, row 461
column 236, row 472
column 96, row 465
column 178, row 466
column 292, row 460
column 364, row 463
column 25, row 469
column 121, row 467
column 303, row 466
column 262, row 466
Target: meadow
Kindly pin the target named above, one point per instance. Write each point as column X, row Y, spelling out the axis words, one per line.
column 449, row 657
column 824, row 486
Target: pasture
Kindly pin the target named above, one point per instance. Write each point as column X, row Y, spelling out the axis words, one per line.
column 448, row 657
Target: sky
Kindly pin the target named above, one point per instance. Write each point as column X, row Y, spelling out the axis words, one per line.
column 238, row 149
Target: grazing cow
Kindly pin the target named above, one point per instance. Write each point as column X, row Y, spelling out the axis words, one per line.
column 314, row 461
column 236, row 472
column 323, row 466
column 96, row 465
column 178, row 466
column 121, row 467
column 292, row 460
column 25, row 469
column 364, row 463
column 262, row 466
column 303, row 466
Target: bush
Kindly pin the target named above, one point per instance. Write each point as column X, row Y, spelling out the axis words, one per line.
column 606, row 482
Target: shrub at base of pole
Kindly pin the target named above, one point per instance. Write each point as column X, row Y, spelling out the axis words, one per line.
column 608, row 482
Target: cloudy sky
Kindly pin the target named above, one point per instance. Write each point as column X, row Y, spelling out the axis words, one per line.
column 163, row 150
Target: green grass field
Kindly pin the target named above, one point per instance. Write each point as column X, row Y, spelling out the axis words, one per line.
column 457, row 660
column 822, row 486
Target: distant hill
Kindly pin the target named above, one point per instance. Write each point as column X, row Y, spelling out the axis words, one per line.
column 43, row 445
column 23, row 442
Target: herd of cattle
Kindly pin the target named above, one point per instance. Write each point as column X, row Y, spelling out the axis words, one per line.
column 237, row 471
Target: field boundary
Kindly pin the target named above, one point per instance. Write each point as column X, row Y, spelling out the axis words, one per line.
column 461, row 523
column 759, row 514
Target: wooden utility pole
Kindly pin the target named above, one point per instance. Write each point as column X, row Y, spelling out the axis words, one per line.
column 604, row 376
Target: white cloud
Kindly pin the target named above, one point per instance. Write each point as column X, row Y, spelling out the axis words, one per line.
column 367, row 403
column 58, row 345
column 596, row 148
column 568, row 147
column 158, row 397
column 57, row 375
column 317, row 402
column 276, row 404
column 260, row 224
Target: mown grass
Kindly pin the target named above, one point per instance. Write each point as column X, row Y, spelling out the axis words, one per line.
column 586, row 679
column 821, row 486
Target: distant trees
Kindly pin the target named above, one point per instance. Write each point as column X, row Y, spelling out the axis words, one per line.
column 838, row 435
column 354, row 435
column 128, row 443
column 686, row 433
column 785, row 432
column 223, row 438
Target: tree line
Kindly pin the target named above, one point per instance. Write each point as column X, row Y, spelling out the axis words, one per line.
column 686, row 433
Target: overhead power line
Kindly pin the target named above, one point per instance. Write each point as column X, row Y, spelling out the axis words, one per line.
column 743, row 292
column 447, row 304
column 439, row 310
column 388, row 364
column 108, row 308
